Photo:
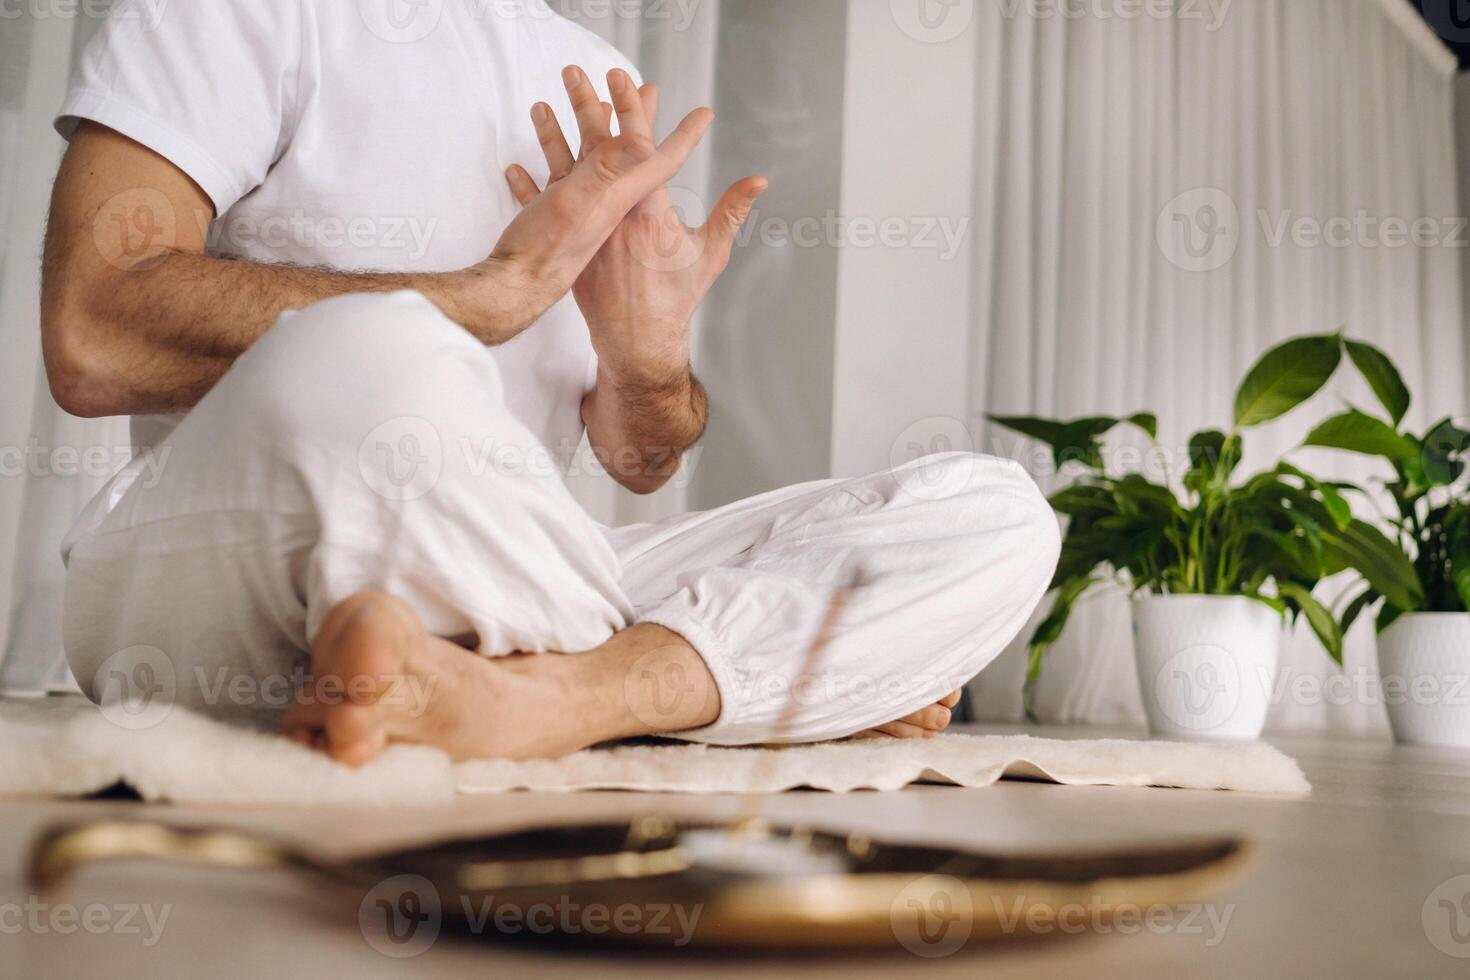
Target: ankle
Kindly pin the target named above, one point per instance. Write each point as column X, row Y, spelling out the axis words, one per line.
column 648, row 680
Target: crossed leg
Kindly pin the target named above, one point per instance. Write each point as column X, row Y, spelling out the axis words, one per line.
column 329, row 496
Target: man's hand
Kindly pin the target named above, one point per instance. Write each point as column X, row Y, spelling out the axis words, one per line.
column 640, row 290
column 152, row 328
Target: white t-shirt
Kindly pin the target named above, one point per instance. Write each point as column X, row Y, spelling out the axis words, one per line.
column 367, row 135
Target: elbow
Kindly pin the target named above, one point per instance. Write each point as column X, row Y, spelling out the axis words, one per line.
column 77, row 369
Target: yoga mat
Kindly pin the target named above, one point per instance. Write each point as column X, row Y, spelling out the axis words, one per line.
column 66, row 747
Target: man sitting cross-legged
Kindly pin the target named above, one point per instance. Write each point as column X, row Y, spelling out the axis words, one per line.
column 359, row 472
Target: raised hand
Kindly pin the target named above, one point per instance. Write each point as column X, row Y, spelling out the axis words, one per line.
column 559, row 232
column 642, row 287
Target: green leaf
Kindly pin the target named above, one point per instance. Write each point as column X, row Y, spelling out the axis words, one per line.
column 1048, row 633
column 1444, row 449
column 1286, row 376
column 1382, row 377
column 1042, row 430
column 1355, row 608
column 1212, row 459
column 1338, row 509
column 1365, row 548
column 1318, row 617
column 1358, row 432
column 1077, row 440
column 1153, row 498
column 1147, row 421
column 1387, row 616
column 1083, row 498
column 1457, row 533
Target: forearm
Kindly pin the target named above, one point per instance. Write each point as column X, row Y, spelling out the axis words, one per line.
column 640, row 427
column 156, row 337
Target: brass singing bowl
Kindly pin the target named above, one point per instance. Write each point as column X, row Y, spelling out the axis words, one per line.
column 884, row 894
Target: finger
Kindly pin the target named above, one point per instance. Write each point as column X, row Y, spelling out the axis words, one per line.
column 521, row 185
column 649, row 94
column 935, row 718
column 674, row 151
column 902, row 729
column 627, row 101
column 553, row 141
column 730, row 214
column 591, row 120
column 305, row 715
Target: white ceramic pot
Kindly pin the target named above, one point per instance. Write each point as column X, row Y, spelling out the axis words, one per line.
column 1206, row 664
column 1424, row 666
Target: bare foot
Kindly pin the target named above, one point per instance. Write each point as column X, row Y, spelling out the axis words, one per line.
column 379, row 678
column 924, row 723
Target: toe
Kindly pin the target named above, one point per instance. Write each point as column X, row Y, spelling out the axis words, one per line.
column 952, row 699
column 354, row 735
column 904, row 729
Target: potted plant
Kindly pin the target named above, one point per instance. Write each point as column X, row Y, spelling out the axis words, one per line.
column 1423, row 638
column 1214, row 563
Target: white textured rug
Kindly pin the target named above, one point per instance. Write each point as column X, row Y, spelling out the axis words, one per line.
column 68, row 748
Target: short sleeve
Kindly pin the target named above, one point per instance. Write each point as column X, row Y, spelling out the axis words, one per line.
column 210, row 85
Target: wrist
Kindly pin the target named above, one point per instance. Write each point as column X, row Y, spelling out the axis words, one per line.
column 646, row 370
column 494, row 300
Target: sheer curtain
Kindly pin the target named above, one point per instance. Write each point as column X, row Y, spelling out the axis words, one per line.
column 52, row 463
column 1101, row 144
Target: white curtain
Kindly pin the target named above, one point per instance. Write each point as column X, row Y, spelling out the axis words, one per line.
column 1088, row 299
column 50, row 463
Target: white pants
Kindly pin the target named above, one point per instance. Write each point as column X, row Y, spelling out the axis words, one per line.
column 363, row 443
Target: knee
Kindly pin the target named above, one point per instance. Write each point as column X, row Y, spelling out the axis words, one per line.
column 997, row 502
column 357, row 357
